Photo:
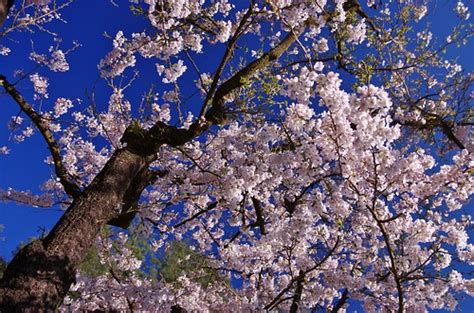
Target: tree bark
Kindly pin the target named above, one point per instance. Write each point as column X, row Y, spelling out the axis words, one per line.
column 41, row 273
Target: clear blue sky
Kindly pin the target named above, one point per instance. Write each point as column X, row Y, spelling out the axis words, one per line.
column 24, row 168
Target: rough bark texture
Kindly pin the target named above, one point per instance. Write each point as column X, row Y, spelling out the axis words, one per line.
column 40, row 275
column 5, row 6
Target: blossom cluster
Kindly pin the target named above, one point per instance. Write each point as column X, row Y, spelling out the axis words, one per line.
column 313, row 210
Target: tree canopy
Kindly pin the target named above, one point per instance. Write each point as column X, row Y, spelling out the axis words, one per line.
column 260, row 155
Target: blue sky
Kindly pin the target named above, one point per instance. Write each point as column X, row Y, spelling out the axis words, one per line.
column 24, row 168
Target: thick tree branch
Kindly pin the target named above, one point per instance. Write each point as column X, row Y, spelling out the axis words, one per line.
column 130, row 200
column 148, row 142
column 297, row 296
column 194, row 20
column 437, row 123
column 260, row 222
column 69, row 186
column 433, row 121
column 239, row 79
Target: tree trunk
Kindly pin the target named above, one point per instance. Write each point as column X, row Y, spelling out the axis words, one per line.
column 39, row 276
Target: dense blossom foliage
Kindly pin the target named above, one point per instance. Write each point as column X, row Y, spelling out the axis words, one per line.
column 310, row 192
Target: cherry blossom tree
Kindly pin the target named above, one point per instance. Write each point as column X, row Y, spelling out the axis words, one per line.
column 329, row 158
